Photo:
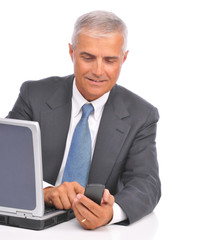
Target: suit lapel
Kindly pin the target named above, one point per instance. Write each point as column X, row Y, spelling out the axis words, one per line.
column 59, row 112
column 112, row 133
column 55, row 125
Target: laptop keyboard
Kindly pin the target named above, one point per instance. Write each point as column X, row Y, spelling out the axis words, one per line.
column 49, row 209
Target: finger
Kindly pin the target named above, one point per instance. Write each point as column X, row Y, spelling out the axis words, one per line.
column 65, row 201
column 107, row 198
column 57, row 202
column 86, row 219
column 72, row 189
column 76, row 206
column 78, row 188
column 51, row 197
column 88, row 204
column 47, row 192
column 58, row 197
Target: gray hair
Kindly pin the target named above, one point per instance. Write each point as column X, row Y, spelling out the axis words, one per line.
column 99, row 24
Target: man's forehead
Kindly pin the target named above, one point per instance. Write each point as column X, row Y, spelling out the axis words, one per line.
column 108, row 46
column 92, row 55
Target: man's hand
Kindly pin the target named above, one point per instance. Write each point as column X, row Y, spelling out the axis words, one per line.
column 91, row 215
column 62, row 196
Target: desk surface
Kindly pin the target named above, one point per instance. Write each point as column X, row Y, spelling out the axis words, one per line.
column 145, row 229
column 164, row 224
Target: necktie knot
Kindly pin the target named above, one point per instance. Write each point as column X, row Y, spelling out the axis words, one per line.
column 87, row 109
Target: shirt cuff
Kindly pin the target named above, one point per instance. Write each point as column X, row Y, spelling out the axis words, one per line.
column 118, row 214
column 46, row 184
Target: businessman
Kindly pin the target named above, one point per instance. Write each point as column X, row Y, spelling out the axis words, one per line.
column 119, row 149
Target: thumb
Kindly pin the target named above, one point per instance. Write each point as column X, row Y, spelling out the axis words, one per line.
column 107, row 198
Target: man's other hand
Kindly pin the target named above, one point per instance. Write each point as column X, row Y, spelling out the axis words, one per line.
column 91, row 215
column 62, row 196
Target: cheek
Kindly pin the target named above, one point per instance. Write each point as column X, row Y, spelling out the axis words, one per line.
column 113, row 72
column 82, row 66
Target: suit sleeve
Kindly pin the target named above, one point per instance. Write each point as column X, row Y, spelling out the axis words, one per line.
column 141, row 188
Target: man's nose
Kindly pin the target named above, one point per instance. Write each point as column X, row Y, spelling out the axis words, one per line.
column 98, row 68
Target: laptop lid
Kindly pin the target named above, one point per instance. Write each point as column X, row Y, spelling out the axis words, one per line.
column 21, row 178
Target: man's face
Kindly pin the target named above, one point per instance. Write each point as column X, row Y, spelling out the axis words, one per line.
column 97, row 63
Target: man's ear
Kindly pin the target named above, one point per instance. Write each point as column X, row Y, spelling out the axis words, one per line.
column 125, row 56
column 71, row 52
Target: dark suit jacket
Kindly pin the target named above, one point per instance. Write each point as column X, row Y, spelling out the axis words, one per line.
column 125, row 153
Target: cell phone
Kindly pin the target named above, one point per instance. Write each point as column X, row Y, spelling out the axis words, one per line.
column 94, row 192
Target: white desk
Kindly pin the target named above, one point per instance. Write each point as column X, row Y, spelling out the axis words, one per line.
column 144, row 229
column 169, row 222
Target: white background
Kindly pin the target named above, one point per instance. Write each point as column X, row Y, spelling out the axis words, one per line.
column 163, row 66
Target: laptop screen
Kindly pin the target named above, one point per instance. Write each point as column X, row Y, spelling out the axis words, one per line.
column 17, row 174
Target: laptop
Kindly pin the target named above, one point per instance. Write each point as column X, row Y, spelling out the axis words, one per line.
column 21, row 178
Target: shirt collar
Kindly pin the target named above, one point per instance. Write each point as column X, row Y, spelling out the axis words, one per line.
column 78, row 101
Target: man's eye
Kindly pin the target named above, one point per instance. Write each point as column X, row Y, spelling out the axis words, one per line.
column 110, row 60
column 88, row 58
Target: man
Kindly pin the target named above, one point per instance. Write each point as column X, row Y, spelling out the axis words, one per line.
column 122, row 127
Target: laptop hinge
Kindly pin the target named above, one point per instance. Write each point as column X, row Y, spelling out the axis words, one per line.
column 24, row 214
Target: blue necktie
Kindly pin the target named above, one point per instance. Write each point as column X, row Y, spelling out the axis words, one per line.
column 79, row 157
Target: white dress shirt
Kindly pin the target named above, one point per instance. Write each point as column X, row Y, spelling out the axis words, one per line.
column 94, row 120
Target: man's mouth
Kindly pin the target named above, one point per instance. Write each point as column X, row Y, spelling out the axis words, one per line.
column 96, row 81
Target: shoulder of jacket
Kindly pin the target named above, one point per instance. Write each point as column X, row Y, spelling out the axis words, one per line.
column 47, row 83
column 132, row 99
